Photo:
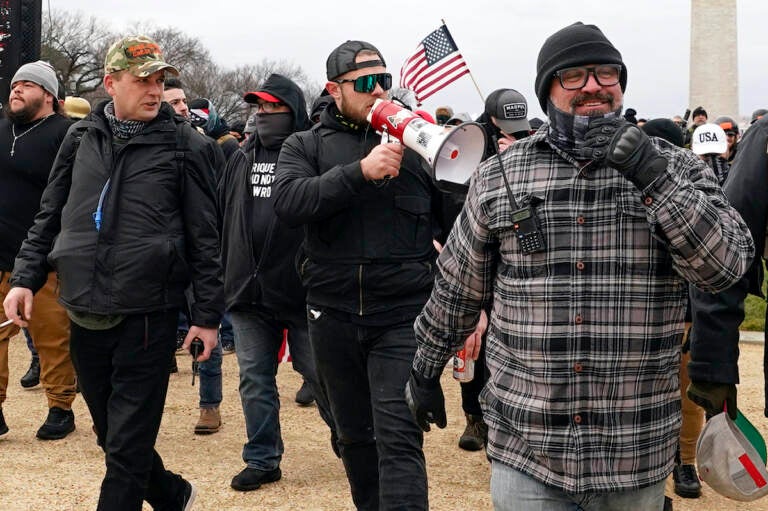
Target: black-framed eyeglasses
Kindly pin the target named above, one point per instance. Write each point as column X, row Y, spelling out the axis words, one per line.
column 367, row 83
column 268, row 107
column 573, row 78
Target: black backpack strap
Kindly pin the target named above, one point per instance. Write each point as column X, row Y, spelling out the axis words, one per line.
column 78, row 130
column 181, row 149
column 180, row 152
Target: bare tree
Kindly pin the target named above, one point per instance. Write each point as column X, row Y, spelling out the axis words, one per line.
column 185, row 52
column 228, row 93
column 76, row 47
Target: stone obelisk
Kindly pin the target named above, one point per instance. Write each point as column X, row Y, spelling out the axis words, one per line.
column 714, row 77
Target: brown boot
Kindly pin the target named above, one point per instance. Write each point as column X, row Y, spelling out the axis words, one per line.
column 475, row 434
column 210, row 421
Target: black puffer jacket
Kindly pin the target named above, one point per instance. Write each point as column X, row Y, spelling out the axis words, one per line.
column 367, row 246
column 158, row 230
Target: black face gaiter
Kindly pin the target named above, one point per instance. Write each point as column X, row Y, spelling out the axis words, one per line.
column 273, row 129
column 567, row 131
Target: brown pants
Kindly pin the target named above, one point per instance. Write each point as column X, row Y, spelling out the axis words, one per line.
column 693, row 415
column 49, row 328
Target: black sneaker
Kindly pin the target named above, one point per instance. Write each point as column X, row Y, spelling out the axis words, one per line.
column 32, row 376
column 687, row 483
column 59, row 424
column 180, row 336
column 182, row 501
column 252, row 478
column 227, row 346
column 305, row 397
column 190, row 493
column 3, row 425
column 174, row 366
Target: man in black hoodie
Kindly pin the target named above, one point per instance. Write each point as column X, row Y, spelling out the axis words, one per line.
column 263, row 291
column 370, row 212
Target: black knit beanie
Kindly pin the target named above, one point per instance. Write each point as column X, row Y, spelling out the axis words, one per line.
column 666, row 129
column 574, row 45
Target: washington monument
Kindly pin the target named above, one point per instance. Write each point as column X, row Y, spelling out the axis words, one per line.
column 714, row 76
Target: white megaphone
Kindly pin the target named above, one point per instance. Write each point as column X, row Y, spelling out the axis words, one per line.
column 453, row 152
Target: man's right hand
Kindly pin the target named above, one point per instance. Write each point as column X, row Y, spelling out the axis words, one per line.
column 18, row 300
column 714, row 397
column 426, row 401
column 384, row 160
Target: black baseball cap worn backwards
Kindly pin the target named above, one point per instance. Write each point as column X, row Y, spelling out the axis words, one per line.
column 342, row 59
column 574, row 45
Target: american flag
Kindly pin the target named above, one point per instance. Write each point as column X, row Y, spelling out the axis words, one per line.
column 435, row 63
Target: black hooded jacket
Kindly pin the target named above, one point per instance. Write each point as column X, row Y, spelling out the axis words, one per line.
column 368, row 246
column 258, row 249
column 716, row 317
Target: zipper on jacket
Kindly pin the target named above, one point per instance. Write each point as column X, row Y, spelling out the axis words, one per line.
column 360, row 287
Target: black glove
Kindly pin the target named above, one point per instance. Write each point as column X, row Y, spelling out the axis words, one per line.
column 625, row 147
column 713, row 397
column 425, row 399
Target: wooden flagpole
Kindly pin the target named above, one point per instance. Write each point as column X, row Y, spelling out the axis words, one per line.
column 482, row 98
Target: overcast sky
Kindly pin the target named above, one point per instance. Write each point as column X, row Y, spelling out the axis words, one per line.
column 499, row 39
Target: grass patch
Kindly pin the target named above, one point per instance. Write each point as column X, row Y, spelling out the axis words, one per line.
column 754, row 314
column 754, row 309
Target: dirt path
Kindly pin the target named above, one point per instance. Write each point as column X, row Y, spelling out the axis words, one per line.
column 65, row 475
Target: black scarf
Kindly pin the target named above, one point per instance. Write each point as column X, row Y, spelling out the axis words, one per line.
column 569, row 132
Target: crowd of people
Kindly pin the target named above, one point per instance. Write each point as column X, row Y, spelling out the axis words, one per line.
column 563, row 267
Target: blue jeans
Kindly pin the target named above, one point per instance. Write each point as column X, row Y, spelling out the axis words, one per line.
column 364, row 371
column 210, row 379
column 225, row 330
column 30, row 344
column 258, row 337
column 210, row 370
column 514, row 490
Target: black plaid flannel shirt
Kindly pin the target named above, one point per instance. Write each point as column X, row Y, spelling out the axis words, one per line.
column 584, row 338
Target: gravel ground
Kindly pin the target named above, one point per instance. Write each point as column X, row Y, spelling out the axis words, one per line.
column 65, row 475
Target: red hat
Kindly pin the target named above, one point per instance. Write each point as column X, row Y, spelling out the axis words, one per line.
column 250, row 97
column 425, row 115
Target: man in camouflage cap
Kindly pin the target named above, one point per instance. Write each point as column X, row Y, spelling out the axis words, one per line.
column 128, row 219
column 139, row 55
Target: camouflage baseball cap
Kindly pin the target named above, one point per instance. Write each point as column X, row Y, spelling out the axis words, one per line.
column 139, row 55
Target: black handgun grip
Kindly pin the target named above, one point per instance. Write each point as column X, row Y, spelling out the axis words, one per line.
column 196, row 347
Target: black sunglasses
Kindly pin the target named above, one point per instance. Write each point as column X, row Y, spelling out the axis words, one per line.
column 367, row 83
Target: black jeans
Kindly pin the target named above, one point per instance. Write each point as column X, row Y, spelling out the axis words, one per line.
column 364, row 371
column 123, row 375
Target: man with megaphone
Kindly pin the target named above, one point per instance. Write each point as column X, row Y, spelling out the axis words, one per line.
column 370, row 211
